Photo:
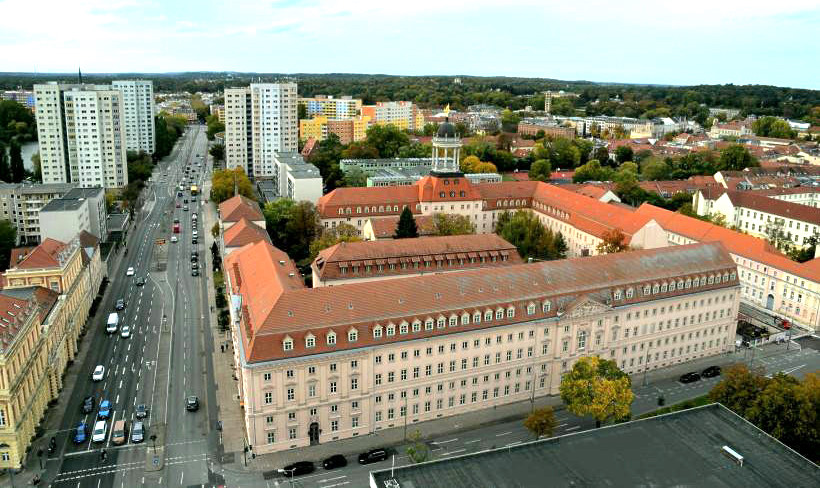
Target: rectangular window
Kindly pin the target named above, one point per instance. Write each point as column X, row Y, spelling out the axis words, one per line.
column 268, row 398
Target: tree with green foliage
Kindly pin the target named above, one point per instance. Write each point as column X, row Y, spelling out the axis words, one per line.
column 654, row 169
column 805, row 253
column 228, row 182
column 354, row 176
column 326, row 156
column 301, row 112
column 541, row 422
column 18, row 169
column 509, row 121
column 16, row 122
column 217, row 151
column 602, row 155
column 386, row 139
column 596, row 387
column 417, row 451
column 360, row 150
column 415, row 150
column 37, row 174
column 773, row 127
column 541, row 170
column 199, row 107
column 332, row 236
column 736, row 158
column 407, row 225
column 623, row 154
column 8, row 239
column 612, row 241
column 452, row 225
column 592, row 171
column 214, row 126
column 167, row 130
column 5, row 171
column 139, row 166
column 525, row 231
column 292, row 227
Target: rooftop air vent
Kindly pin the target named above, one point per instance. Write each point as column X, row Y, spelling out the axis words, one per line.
column 733, row 455
column 282, row 262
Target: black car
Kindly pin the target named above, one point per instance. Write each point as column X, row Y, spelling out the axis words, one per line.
column 120, row 304
column 710, row 372
column 140, row 281
column 88, row 404
column 194, row 272
column 297, row 468
column 193, row 241
column 142, row 411
column 372, row 456
column 194, row 256
column 689, row 377
column 334, row 461
column 192, row 403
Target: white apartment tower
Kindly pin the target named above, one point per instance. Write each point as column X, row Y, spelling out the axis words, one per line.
column 81, row 135
column 138, row 105
column 260, row 121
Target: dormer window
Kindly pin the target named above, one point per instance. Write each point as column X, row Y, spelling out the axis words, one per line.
column 617, row 295
column 453, row 321
column 331, row 338
column 428, row 324
column 488, row 315
column 391, row 330
column 499, row 313
column 442, row 194
column 510, row 312
column 646, row 290
column 352, row 335
column 477, row 318
column 465, row 318
column 310, row 341
column 403, row 328
column 441, row 322
column 546, row 306
column 287, row 344
column 377, row 332
column 530, row 309
column 629, row 293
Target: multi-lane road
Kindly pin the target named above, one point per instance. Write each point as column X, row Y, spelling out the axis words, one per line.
column 166, row 358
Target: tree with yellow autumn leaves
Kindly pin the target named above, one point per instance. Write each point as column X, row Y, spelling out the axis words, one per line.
column 598, row 388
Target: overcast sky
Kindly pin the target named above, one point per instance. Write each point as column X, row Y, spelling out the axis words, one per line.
column 637, row 41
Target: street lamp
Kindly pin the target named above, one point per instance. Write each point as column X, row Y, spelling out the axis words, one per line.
column 11, row 468
column 285, row 473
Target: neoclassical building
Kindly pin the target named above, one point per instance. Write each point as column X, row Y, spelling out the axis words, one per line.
column 321, row 364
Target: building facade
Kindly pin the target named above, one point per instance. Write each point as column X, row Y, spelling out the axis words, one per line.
column 404, row 115
column 322, row 364
column 61, row 220
column 139, row 110
column 345, row 107
column 20, row 204
column 260, row 120
column 81, row 133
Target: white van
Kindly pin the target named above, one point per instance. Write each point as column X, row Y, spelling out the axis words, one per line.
column 113, row 323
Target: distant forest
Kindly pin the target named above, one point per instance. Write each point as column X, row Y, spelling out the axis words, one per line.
column 514, row 93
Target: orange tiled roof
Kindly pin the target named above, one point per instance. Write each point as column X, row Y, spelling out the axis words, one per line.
column 276, row 310
column 238, row 206
column 783, row 208
column 244, row 232
column 13, row 315
column 42, row 256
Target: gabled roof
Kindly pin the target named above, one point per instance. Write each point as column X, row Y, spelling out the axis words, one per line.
column 13, row 315
column 42, row 256
column 44, row 297
column 244, row 232
column 238, row 206
column 782, row 208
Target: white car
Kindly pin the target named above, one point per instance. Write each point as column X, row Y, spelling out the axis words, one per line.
column 99, row 373
column 100, row 429
column 125, row 333
column 174, row 239
column 129, row 271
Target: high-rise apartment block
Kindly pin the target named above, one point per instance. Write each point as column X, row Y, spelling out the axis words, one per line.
column 260, row 121
column 81, row 134
column 345, row 107
column 404, row 115
column 138, row 106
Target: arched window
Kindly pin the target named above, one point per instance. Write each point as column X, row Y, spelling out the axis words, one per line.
column 695, row 283
column 671, row 286
column 680, row 284
column 688, row 283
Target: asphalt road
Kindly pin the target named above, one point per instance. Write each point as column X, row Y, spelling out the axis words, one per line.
column 163, row 361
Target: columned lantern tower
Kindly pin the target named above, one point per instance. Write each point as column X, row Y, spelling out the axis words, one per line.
column 446, row 149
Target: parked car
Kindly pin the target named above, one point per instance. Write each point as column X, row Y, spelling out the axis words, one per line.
column 372, row 456
column 298, row 468
column 99, row 373
column 120, row 305
column 710, row 372
column 138, row 432
column 141, row 412
column 192, row 403
column 100, row 430
column 689, row 377
column 334, row 461
column 105, row 410
column 88, row 404
column 80, row 433
column 129, row 271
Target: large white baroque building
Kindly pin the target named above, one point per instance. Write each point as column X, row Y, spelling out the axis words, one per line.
column 321, row 364
column 260, row 121
column 139, row 110
column 81, row 132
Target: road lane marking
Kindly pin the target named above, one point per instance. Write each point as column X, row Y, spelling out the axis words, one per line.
column 443, row 442
column 450, row 453
column 503, row 433
column 574, row 427
column 473, row 441
column 332, row 479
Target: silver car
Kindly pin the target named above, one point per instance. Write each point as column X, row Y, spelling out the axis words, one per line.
column 137, row 432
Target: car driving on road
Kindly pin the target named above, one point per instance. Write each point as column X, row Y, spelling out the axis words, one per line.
column 372, row 456
column 710, row 372
column 80, row 433
column 120, row 305
column 88, row 404
column 99, row 373
column 125, row 333
column 689, row 377
column 334, row 461
column 100, row 429
column 129, row 271
column 105, row 410
column 298, row 468
column 192, row 403
column 138, row 432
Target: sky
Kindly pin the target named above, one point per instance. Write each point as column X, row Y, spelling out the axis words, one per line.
column 627, row 41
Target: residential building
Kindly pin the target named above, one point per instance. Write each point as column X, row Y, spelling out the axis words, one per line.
column 24, row 388
column 234, row 209
column 218, row 111
column 139, row 110
column 404, row 115
column 20, row 204
column 260, row 120
column 385, row 227
column 531, row 127
column 62, row 219
column 23, row 97
column 97, row 211
column 549, row 95
column 296, row 179
column 368, row 165
column 731, row 129
column 315, row 128
column 708, row 445
column 348, row 130
column 81, row 133
column 319, row 364
column 345, row 107
column 370, row 260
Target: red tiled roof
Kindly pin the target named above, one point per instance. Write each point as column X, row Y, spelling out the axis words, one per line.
column 438, row 189
column 296, row 312
column 748, row 199
column 13, row 315
column 518, row 176
column 385, row 227
column 329, row 204
column 244, row 232
column 737, row 243
column 42, row 256
column 238, row 206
